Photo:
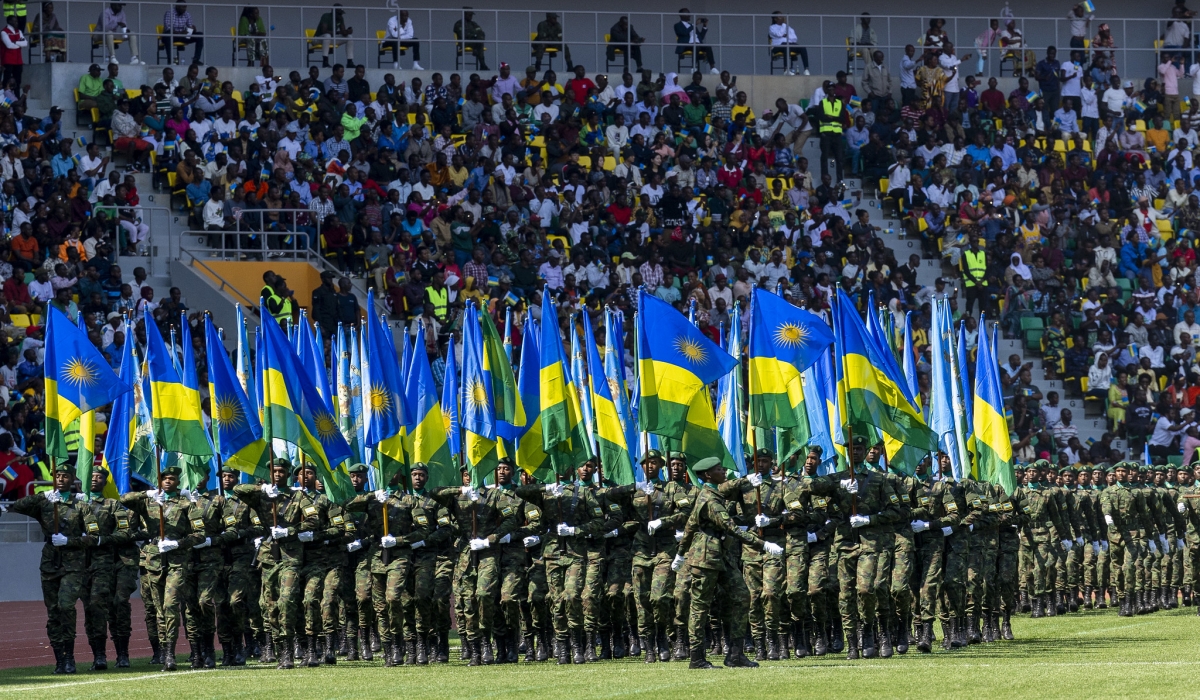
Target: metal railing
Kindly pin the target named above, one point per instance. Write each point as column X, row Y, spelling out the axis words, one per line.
column 247, row 244
column 740, row 41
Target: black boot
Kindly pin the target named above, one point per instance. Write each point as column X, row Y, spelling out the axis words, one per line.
column 820, row 641
column 866, row 633
column 531, row 649
column 69, row 657
column 239, row 651
column 800, row 643
column 1187, row 596
column 947, row 635
column 785, row 645
column 902, row 633
column 736, row 658
column 268, row 649
column 925, row 639
column 606, row 652
column 766, row 648
column 1060, row 602
column 1026, row 605
column 1006, row 628
column 543, row 644
column 1037, row 607
column 562, row 653
column 227, row 653
column 168, row 656
column 155, row 652
column 885, row 636
column 330, row 648
column 973, row 636
column 681, row 644
column 99, row 656
column 443, row 649
column 310, row 651
column 365, row 646
column 475, row 646
column 852, row 643
column 352, row 644
column 410, row 651
column 578, row 656
column 618, row 644
column 209, row 651
column 376, row 642
column 423, row 649
column 635, row 642
column 58, row 659
column 989, row 630
column 1087, row 598
column 388, row 659
column 837, row 640
column 960, row 632
column 651, row 654
column 344, row 642
column 697, row 658
column 122, row 645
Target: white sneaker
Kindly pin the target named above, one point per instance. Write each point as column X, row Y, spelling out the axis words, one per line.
column 714, row 71
column 789, row 71
column 395, row 65
column 806, row 72
column 113, row 60
column 417, row 66
column 135, row 62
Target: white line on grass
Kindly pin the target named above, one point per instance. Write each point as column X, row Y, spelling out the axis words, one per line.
column 1116, row 628
column 125, row 679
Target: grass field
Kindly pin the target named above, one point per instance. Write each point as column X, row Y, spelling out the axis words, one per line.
column 1093, row 655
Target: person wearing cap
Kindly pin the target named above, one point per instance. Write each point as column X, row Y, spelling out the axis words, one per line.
column 204, row 584
column 1166, row 593
column 982, row 519
column 325, row 537
column 550, row 36
column 106, row 525
column 595, row 618
column 1056, row 483
column 616, row 631
column 286, row 515
column 703, row 551
column 64, row 571
column 238, row 607
column 564, row 548
column 523, row 543
column 1045, row 529
column 934, row 514
column 810, row 588
column 356, row 594
column 424, row 640
column 1189, row 509
column 683, row 493
column 170, row 534
column 1125, row 516
column 894, row 600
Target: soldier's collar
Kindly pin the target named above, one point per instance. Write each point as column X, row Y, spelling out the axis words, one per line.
column 419, row 492
column 922, row 477
column 1033, row 485
column 506, row 487
column 171, row 494
column 227, row 493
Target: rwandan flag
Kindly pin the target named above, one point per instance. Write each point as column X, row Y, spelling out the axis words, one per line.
column 498, row 373
column 122, row 424
column 383, row 396
column 478, row 406
column 175, row 402
column 609, row 431
column 296, row 413
column 820, row 392
column 77, row 379
column 784, row 341
column 450, row 405
column 614, row 371
column 872, row 393
column 531, row 453
column 236, row 431
column 676, row 363
column 729, row 395
column 426, row 440
column 564, row 436
column 992, row 444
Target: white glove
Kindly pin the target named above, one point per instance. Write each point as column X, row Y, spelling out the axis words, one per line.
column 479, row 543
column 157, row 495
column 387, row 541
column 1181, row 507
column 754, row 478
column 565, row 530
column 773, row 549
column 54, row 497
column 653, row 525
column 1078, row 541
column 860, row 520
column 1163, row 539
column 1066, row 544
column 761, row 520
column 58, row 540
column 305, row 536
column 970, row 527
column 679, row 535
column 1108, row 520
column 165, row 546
column 1153, row 547
column 553, row 489
column 203, row 545
column 948, row 530
column 645, row 487
column 851, row 485
column 1103, row 545
column 531, row 541
column 611, row 534
column 421, row 543
column 354, row 546
column 258, row 543
column 270, row 490
column 919, row 525
column 812, row 538
column 190, row 495
column 1180, row 544
column 677, row 562
column 278, row 533
column 381, row 495
column 470, row 493
column 1095, row 548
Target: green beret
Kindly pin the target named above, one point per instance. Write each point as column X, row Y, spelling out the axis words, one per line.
column 1114, row 467
column 1065, row 470
column 1158, row 467
column 100, row 470
column 167, row 471
column 226, row 469
column 282, row 462
column 423, row 467
column 764, row 452
column 816, row 449
column 1194, row 465
column 1018, row 467
column 1040, row 464
column 860, row 441
column 1101, row 467
column 678, row 455
column 359, row 468
column 706, row 464
column 1143, row 467
column 651, row 454
column 65, row 469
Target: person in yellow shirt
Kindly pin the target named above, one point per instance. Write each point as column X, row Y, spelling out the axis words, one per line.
column 1157, row 136
column 741, row 107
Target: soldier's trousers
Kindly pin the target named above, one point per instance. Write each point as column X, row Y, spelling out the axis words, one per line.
column 150, row 612
column 1123, row 555
column 233, row 612
column 424, row 584
column 364, row 606
column 704, row 585
column 1045, row 559
column 1060, row 567
column 928, row 564
column 169, row 587
column 857, row 569
column 321, row 583
column 280, row 600
column 593, row 590
column 1087, row 567
column 443, row 579
column 1006, row 571
column 537, row 597
column 389, row 595
column 1075, row 566
column 954, row 575
column 795, row 565
column 1191, row 564
column 683, row 596
column 97, row 600
column 205, row 593
column 883, row 573
column 512, row 586
column 59, row 593
column 125, row 582
column 1025, row 565
column 564, row 578
column 653, row 583
column 1173, row 575
column 766, row 584
column 903, row 555
column 821, row 584
column 981, row 572
column 618, row 586
column 480, row 586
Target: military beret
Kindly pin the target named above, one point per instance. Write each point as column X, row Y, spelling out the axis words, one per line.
column 1041, row 464
column 678, row 455
column 358, row 468
column 503, row 460
column 65, row 469
column 1102, row 466
column 860, row 441
column 1113, row 467
column 282, row 462
column 100, row 470
column 706, row 464
column 764, row 452
column 423, row 467
column 816, row 449
column 167, row 471
column 651, row 454
column 1194, row 465
column 226, row 469
column 1065, row 470
column 1158, row 468
column 1018, row 467
column 1143, row 467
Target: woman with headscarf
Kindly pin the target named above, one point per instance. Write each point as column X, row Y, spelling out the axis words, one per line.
column 48, row 31
column 672, row 87
column 1104, row 40
column 1099, row 377
column 1017, row 269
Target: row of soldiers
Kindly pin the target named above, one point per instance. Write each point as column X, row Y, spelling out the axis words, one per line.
column 778, row 562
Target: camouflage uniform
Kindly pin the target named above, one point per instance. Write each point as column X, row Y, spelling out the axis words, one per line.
column 515, row 585
column 983, row 519
column 1173, row 571
column 1125, row 515
column 804, row 522
column 1012, row 521
column 125, row 582
column 324, row 557
column 1044, row 528
column 618, row 575
column 206, row 581
column 595, row 619
column 933, row 503
column 765, row 576
column 893, row 578
column 435, row 519
column 683, row 494
column 952, row 608
column 1189, row 498
column 356, row 584
column 239, row 575
column 63, row 568
column 823, row 513
column 1086, row 497
column 106, row 522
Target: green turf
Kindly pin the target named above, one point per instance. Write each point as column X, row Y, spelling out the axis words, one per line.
column 1094, row 654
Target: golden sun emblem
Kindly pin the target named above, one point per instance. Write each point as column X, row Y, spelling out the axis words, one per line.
column 447, row 420
column 614, row 389
column 692, row 350
column 379, row 398
column 791, row 335
column 723, row 409
column 325, row 425
column 477, row 397
column 228, row 412
column 79, row 372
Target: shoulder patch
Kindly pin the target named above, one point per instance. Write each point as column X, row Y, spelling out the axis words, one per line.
column 444, row 520
column 122, row 522
column 1008, row 506
column 230, row 521
column 93, row 528
column 421, row 520
column 614, row 507
column 976, row 503
column 506, row 511
column 310, row 511
column 197, row 524
column 794, row 505
column 597, row 511
column 821, row 502
column 337, row 520
column 952, row 507
column 533, row 513
column 893, row 498
column 682, row 501
column 254, row 519
column 923, row 500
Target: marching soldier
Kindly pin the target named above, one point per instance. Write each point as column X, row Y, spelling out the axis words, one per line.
column 234, row 610
column 428, row 514
column 324, row 556
column 514, row 570
column 934, row 514
column 107, row 526
column 683, row 494
column 356, row 584
column 535, row 609
column 205, row 579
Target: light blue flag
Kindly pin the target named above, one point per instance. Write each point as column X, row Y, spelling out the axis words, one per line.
column 941, row 386
column 614, row 370
column 577, row 374
column 820, row 395
column 729, row 395
column 450, row 407
column 964, row 372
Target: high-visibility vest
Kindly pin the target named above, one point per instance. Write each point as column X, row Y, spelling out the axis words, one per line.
column 832, row 123
column 15, row 8
column 285, row 305
column 976, row 265
column 440, row 301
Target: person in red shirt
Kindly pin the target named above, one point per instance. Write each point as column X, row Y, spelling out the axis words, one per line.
column 579, row 86
column 992, row 100
column 620, row 210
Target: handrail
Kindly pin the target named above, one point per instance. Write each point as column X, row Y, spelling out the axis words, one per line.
column 224, row 285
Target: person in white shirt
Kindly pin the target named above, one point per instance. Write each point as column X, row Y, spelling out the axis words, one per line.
column 547, row 107
column 1116, row 98
column 1089, row 107
column 784, row 37
column 1071, row 74
column 949, row 63
column 402, row 35
column 617, row 136
column 908, row 81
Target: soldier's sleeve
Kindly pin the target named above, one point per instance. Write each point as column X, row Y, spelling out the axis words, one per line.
column 596, row 517
column 720, row 516
column 621, row 494
column 952, row 517
column 690, row 527
column 337, row 522
column 1075, row 516
column 134, row 500
column 614, row 514
column 120, row 535
column 1059, row 523
column 446, row 495
column 532, row 493
column 675, row 516
column 442, row 531
column 419, row 532
column 508, row 514
column 250, row 494
column 31, row 506
column 793, row 503
column 194, row 537
column 733, row 488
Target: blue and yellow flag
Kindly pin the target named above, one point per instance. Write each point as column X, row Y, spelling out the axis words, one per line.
column 77, row 379
column 174, row 400
column 531, row 452
column 236, row 431
column 784, row 341
column 426, row 439
column 611, row 445
column 825, row 426
column 122, row 424
column 478, row 407
column 676, row 363
column 729, row 395
column 872, row 393
column 577, row 373
column 295, row 412
column 614, row 371
column 498, row 373
column 450, row 404
column 993, row 445
column 383, row 387
column 564, row 437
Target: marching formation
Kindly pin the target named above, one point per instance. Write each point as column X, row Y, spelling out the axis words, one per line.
column 520, row 511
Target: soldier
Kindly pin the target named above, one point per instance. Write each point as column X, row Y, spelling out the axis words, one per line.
column 1085, row 496
column 1124, row 517
column 64, row 560
column 429, row 514
column 572, row 513
column 125, row 582
column 1173, row 571
column 707, row 525
column 1008, row 544
column 1189, row 508
column 356, row 581
column 281, row 554
column 513, row 568
column 953, row 608
column 982, row 521
column 535, row 611
column 797, row 501
column 1154, row 538
column 107, row 527
column 324, row 555
column 1045, row 527
column 237, row 571
column 595, row 569
column 205, row 580
column 170, row 519
column 1165, row 514
column 492, row 521
column 935, row 514
column 894, row 577
column 681, row 492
